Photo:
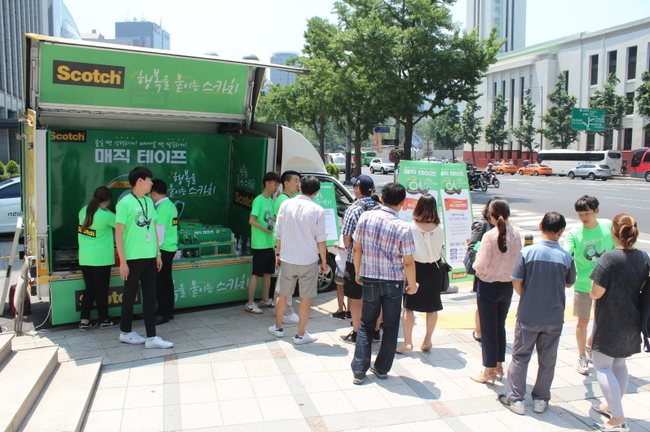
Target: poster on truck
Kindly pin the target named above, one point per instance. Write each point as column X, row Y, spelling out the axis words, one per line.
column 448, row 185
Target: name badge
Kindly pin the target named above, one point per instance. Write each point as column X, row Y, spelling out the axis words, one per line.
column 148, row 237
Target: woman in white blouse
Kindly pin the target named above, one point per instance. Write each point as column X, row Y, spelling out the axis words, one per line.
column 429, row 242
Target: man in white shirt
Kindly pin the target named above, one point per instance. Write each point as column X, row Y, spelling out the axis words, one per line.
column 300, row 234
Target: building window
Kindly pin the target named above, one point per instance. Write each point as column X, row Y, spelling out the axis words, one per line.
column 611, row 62
column 591, row 141
column 512, row 102
column 630, row 99
column 495, row 90
column 521, row 96
column 593, row 75
column 566, row 80
column 503, row 89
column 631, row 63
column 627, row 139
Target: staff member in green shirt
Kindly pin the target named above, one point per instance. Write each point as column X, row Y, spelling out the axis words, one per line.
column 96, row 256
column 167, row 230
column 137, row 246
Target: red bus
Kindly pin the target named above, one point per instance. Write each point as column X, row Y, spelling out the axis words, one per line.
column 641, row 164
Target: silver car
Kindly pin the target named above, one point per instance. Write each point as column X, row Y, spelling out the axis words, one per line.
column 382, row 165
column 339, row 161
column 591, row 171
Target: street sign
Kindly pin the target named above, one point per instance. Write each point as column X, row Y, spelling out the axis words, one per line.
column 381, row 129
column 590, row 120
column 389, row 142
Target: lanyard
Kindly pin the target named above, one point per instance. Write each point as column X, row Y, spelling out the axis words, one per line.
column 144, row 212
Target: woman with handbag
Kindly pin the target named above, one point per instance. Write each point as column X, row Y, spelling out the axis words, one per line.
column 617, row 280
column 430, row 270
column 495, row 260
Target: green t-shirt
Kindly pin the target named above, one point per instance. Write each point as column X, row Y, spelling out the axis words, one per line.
column 96, row 246
column 282, row 198
column 586, row 246
column 264, row 212
column 168, row 216
column 138, row 217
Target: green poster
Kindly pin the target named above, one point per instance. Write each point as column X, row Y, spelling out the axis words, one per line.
column 194, row 166
column 418, row 178
column 327, row 199
column 192, row 287
column 114, row 78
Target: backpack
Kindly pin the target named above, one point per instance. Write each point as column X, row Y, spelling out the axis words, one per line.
column 366, row 206
column 645, row 316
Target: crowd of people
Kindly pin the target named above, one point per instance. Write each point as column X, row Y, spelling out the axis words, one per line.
column 385, row 263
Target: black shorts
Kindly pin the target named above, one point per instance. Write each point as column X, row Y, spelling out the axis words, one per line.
column 263, row 262
column 351, row 288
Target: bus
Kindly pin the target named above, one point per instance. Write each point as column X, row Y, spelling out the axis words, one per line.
column 366, row 157
column 562, row 161
column 641, row 163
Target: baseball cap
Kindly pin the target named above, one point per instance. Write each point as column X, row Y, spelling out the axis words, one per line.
column 365, row 183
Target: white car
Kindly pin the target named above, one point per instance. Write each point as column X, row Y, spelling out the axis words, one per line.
column 10, row 208
column 339, row 161
column 382, row 165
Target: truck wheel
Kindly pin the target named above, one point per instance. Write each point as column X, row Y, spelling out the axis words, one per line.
column 326, row 280
column 571, row 175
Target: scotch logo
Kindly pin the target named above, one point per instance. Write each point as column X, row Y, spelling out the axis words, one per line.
column 87, row 232
column 67, row 136
column 88, row 74
column 175, row 222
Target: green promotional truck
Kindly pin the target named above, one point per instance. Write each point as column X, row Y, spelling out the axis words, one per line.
column 95, row 111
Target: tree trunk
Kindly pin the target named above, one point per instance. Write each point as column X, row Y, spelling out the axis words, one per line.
column 357, row 150
column 408, row 135
column 321, row 139
column 473, row 155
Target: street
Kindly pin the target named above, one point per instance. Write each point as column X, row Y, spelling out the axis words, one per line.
column 543, row 194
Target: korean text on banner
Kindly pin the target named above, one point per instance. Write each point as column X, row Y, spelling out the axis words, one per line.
column 326, row 198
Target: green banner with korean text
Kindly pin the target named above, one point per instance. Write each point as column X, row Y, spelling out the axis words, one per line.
column 114, row 78
column 447, row 183
column 326, row 198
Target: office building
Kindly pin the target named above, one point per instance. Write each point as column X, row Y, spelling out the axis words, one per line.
column 141, row 33
column 280, row 77
column 508, row 16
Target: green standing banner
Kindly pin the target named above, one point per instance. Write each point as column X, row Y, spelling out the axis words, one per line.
column 449, row 186
column 326, row 198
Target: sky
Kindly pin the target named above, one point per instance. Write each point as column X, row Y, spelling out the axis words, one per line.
column 234, row 29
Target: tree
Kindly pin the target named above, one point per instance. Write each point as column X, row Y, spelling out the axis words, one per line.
column 496, row 133
column 471, row 128
column 643, row 97
column 525, row 132
column 614, row 106
column 447, row 130
column 415, row 51
column 558, row 116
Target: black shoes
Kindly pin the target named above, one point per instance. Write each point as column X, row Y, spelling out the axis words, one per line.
column 350, row 338
column 161, row 320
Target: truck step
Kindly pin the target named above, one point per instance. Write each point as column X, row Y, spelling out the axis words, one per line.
column 5, row 344
column 22, row 377
column 69, row 391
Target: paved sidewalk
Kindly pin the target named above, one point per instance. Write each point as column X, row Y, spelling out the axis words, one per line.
column 227, row 373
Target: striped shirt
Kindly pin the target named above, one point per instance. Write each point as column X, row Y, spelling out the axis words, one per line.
column 350, row 219
column 300, row 227
column 384, row 239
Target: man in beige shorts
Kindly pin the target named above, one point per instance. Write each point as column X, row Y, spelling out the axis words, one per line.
column 300, row 241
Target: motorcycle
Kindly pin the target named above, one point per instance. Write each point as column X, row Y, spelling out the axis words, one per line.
column 491, row 179
column 476, row 181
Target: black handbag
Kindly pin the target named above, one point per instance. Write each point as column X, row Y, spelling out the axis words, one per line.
column 446, row 268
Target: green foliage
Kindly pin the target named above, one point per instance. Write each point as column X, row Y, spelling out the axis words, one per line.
column 2, row 168
column 525, row 132
column 447, row 130
column 614, row 106
column 333, row 170
column 471, row 128
column 416, row 52
column 12, row 167
column 557, row 120
column 643, row 97
column 495, row 132
column 4, row 177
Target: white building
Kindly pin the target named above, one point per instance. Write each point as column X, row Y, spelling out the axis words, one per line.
column 508, row 16
column 585, row 60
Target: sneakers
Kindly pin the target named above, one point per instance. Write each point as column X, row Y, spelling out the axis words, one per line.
column 105, row 325
column 350, row 338
column 132, row 338
column 602, row 412
column 157, row 342
column 376, row 336
column 252, row 308
column 451, row 290
column 588, row 352
column 618, row 428
column 340, row 315
column 277, row 332
column 539, row 405
column 583, row 366
column 358, row 379
column 291, row 319
column 87, row 326
column 304, row 339
column 516, row 407
column 267, row 304
column 378, row 374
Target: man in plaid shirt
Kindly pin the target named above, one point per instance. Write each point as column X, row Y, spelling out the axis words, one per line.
column 383, row 255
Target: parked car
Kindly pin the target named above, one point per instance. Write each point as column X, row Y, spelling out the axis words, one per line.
column 382, row 165
column 504, row 168
column 591, row 171
column 339, row 162
column 536, row 169
column 10, row 208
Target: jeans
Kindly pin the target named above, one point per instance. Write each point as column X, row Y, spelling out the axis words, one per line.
column 378, row 294
column 493, row 304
